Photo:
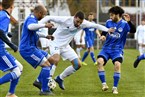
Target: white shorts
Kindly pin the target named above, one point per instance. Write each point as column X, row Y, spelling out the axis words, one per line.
column 67, row 53
column 44, row 42
column 141, row 40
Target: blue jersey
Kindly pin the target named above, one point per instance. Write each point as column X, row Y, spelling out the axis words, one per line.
column 117, row 39
column 29, row 38
column 4, row 24
column 89, row 32
column 89, row 36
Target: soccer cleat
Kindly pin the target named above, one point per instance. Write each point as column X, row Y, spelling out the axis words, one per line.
column 83, row 63
column 95, row 64
column 46, row 93
column 114, row 90
column 11, row 95
column 136, row 62
column 60, row 82
column 105, row 87
column 37, row 84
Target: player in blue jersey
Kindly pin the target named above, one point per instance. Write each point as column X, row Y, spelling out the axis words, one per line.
column 28, row 46
column 113, row 47
column 89, row 40
column 139, row 58
column 8, row 62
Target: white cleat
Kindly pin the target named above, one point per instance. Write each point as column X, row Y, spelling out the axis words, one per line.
column 104, row 87
column 114, row 90
column 11, row 95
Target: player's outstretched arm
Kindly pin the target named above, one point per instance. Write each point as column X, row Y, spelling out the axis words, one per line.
column 98, row 26
column 7, row 41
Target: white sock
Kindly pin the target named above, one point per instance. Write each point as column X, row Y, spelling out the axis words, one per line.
column 78, row 52
column 68, row 71
column 52, row 70
column 140, row 50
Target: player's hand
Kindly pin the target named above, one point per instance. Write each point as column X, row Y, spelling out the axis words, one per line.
column 49, row 25
column 102, row 38
column 126, row 17
column 111, row 30
column 50, row 37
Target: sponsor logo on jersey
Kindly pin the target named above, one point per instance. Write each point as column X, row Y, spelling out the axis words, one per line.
column 120, row 29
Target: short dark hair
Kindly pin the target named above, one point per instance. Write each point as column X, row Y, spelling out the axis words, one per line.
column 116, row 10
column 80, row 15
column 91, row 13
column 7, row 3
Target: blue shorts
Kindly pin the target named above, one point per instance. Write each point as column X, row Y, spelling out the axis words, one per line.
column 89, row 42
column 7, row 62
column 111, row 54
column 33, row 56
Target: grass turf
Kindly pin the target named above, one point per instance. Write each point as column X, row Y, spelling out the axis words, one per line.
column 85, row 82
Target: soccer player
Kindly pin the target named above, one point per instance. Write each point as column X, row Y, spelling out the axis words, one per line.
column 141, row 37
column 89, row 40
column 139, row 58
column 65, row 32
column 80, row 43
column 113, row 47
column 8, row 62
column 28, row 46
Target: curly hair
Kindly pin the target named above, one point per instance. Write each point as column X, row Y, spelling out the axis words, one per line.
column 116, row 10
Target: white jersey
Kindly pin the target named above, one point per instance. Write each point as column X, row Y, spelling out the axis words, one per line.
column 140, row 32
column 66, row 30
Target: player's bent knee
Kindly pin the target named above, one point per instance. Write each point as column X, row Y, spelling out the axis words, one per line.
column 19, row 65
column 77, row 64
column 17, row 72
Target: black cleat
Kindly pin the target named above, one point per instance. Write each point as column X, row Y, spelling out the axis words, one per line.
column 46, row 93
column 37, row 84
column 136, row 62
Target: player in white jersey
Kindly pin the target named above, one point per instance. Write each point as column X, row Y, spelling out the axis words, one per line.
column 65, row 32
column 80, row 44
column 140, row 32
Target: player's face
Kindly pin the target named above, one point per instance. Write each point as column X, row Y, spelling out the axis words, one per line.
column 11, row 8
column 143, row 22
column 42, row 14
column 77, row 22
column 90, row 17
column 114, row 17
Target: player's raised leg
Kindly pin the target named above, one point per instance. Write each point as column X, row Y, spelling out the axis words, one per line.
column 136, row 62
column 76, row 64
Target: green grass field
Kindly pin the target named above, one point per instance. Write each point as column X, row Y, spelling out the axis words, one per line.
column 85, row 82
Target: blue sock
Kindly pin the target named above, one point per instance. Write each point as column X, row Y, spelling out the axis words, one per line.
column 102, row 76
column 45, row 77
column 8, row 77
column 84, row 56
column 40, row 75
column 141, row 57
column 93, row 56
column 13, row 85
column 116, row 78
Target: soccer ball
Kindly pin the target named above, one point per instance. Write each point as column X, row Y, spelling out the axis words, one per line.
column 51, row 84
